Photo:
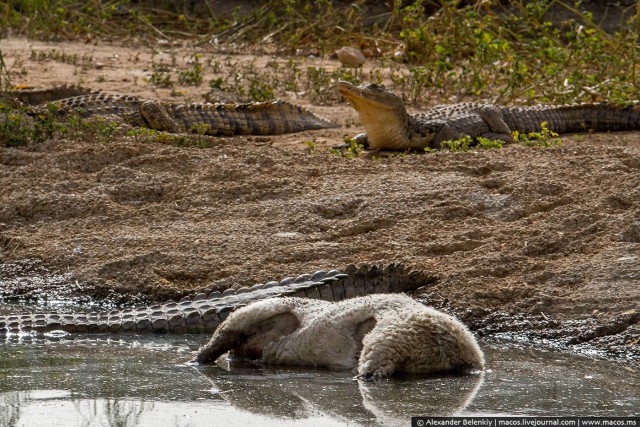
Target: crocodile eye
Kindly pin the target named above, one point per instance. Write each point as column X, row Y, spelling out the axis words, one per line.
column 376, row 86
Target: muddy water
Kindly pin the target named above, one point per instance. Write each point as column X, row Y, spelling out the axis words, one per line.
column 143, row 381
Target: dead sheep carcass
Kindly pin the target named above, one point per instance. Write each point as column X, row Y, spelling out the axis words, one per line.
column 377, row 334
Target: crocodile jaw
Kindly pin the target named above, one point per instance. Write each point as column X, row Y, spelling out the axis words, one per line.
column 382, row 114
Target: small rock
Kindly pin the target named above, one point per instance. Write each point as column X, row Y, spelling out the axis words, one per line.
column 350, row 56
column 400, row 56
column 293, row 235
column 262, row 139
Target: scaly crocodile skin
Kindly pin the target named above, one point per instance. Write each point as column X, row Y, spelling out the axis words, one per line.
column 257, row 118
column 204, row 313
column 37, row 96
column 389, row 126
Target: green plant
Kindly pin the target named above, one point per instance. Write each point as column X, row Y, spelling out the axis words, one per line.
column 216, row 83
column 5, row 79
column 489, row 144
column 199, row 129
column 161, row 76
column 459, row 145
column 22, row 126
column 15, row 128
column 260, row 90
column 160, row 79
column 311, row 146
column 543, row 138
column 320, row 82
column 192, row 77
column 505, row 52
column 151, row 136
column 46, row 124
column 351, row 149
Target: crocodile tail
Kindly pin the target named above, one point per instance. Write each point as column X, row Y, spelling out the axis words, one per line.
column 601, row 117
column 257, row 118
column 35, row 96
column 205, row 313
column 597, row 117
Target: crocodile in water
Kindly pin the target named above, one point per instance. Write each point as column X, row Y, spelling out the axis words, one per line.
column 204, row 313
column 389, row 126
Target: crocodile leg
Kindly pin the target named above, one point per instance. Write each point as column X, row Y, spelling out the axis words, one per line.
column 493, row 117
column 157, row 117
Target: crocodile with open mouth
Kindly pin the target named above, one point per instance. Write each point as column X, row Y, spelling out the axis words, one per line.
column 389, row 126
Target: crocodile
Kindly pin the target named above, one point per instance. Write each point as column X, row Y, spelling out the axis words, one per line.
column 254, row 118
column 224, row 119
column 203, row 313
column 389, row 126
column 25, row 95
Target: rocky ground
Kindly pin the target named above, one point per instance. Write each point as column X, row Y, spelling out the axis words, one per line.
column 539, row 244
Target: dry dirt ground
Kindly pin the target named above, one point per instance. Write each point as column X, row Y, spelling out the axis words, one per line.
column 532, row 243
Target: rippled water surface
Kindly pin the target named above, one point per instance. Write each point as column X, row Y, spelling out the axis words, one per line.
column 143, row 381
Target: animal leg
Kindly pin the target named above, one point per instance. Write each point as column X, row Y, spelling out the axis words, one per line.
column 492, row 115
column 379, row 357
column 376, row 364
column 158, row 118
column 361, row 139
column 249, row 330
column 446, row 133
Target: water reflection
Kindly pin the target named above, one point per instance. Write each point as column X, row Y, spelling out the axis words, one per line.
column 522, row 380
column 111, row 412
column 300, row 393
column 28, row 408
column 143, row 381
column 11, row 404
